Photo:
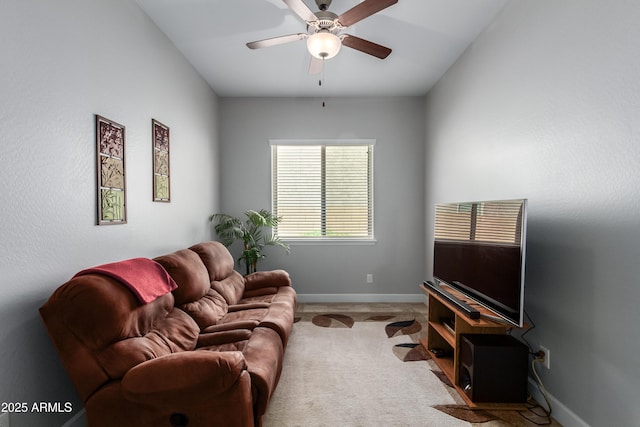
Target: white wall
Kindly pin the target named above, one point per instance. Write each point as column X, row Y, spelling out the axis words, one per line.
column 63, row 62
column 546, row 105
column 397, row 260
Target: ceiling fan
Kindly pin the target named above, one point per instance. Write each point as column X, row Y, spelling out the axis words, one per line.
column 324, row 38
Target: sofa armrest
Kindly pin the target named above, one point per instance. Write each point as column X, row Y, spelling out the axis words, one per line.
column 231, row 326
column 223, row 337
column 183, row 377
column 266, row 279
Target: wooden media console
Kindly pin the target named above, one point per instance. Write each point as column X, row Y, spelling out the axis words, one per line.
column 447, row 324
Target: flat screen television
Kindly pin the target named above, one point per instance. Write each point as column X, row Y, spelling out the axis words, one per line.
column 479, row 249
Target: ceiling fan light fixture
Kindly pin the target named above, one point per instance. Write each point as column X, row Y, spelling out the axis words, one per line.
column 324, row 45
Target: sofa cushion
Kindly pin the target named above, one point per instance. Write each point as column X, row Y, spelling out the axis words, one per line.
column 190, row 274
column 235, row 337
column 286, row 294
column 216, row 258
column 231, row 287
column 253, row 314
column 175, row 333
column 230, row 346
column 100, row 310
column 207, row 310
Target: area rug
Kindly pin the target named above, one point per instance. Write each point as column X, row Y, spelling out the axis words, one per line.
column 367, row 370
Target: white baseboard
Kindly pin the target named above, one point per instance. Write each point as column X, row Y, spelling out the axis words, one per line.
column 561, row 413
column 361, row 298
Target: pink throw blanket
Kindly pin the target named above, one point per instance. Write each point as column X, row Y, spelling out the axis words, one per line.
column 146, row 278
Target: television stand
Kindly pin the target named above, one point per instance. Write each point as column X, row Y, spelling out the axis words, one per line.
column 467, row 309
column 443, row 342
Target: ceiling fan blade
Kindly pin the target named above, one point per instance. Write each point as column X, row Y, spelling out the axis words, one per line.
column 315, row 66
column 366, row 46
column 364, row 10
column 301, row 10
column 276, row 41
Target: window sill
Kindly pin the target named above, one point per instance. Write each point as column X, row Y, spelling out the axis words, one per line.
column 322, row 242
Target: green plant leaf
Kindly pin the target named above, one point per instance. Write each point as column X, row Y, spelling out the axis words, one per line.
column 251, row 232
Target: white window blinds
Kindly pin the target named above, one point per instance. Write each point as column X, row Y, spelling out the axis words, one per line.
column 323, row 191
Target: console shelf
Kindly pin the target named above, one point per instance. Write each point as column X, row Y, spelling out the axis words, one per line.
column 446, row 324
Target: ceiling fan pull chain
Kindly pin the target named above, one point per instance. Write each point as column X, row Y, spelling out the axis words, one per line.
column 321, row 80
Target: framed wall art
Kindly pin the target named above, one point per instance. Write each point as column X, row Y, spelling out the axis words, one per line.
column 161, row 178
column 110, row 149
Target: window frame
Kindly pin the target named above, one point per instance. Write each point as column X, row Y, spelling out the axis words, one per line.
column 324, row 240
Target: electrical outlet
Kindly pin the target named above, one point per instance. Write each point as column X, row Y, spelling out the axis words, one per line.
column 4, row 419
column 369, row 278
column 547, row 357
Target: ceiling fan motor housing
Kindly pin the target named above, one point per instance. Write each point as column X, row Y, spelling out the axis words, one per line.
column 323, row 4
column 327, row 21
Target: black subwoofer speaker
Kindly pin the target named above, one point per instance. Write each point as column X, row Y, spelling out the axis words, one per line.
column 493, row 368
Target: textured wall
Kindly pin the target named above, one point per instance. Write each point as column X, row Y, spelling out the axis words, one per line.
column 397, row 259
column 546, row 105
column 63, row 62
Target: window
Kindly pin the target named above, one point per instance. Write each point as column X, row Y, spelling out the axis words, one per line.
column 322, row 190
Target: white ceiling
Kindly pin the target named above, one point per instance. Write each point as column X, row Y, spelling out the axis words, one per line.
column 427, row 36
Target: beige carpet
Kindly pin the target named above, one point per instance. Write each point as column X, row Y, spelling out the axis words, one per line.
column 364, row 370
column 350, row 376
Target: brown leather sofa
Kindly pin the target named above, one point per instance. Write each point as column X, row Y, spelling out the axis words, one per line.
column 209, row 353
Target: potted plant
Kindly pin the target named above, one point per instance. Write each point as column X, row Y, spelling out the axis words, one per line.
column 251, row 232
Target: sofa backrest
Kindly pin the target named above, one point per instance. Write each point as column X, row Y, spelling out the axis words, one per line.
column 219, row 262
column 101, row 330
column 207, row 282
column 189, row 273
column 216, row 258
